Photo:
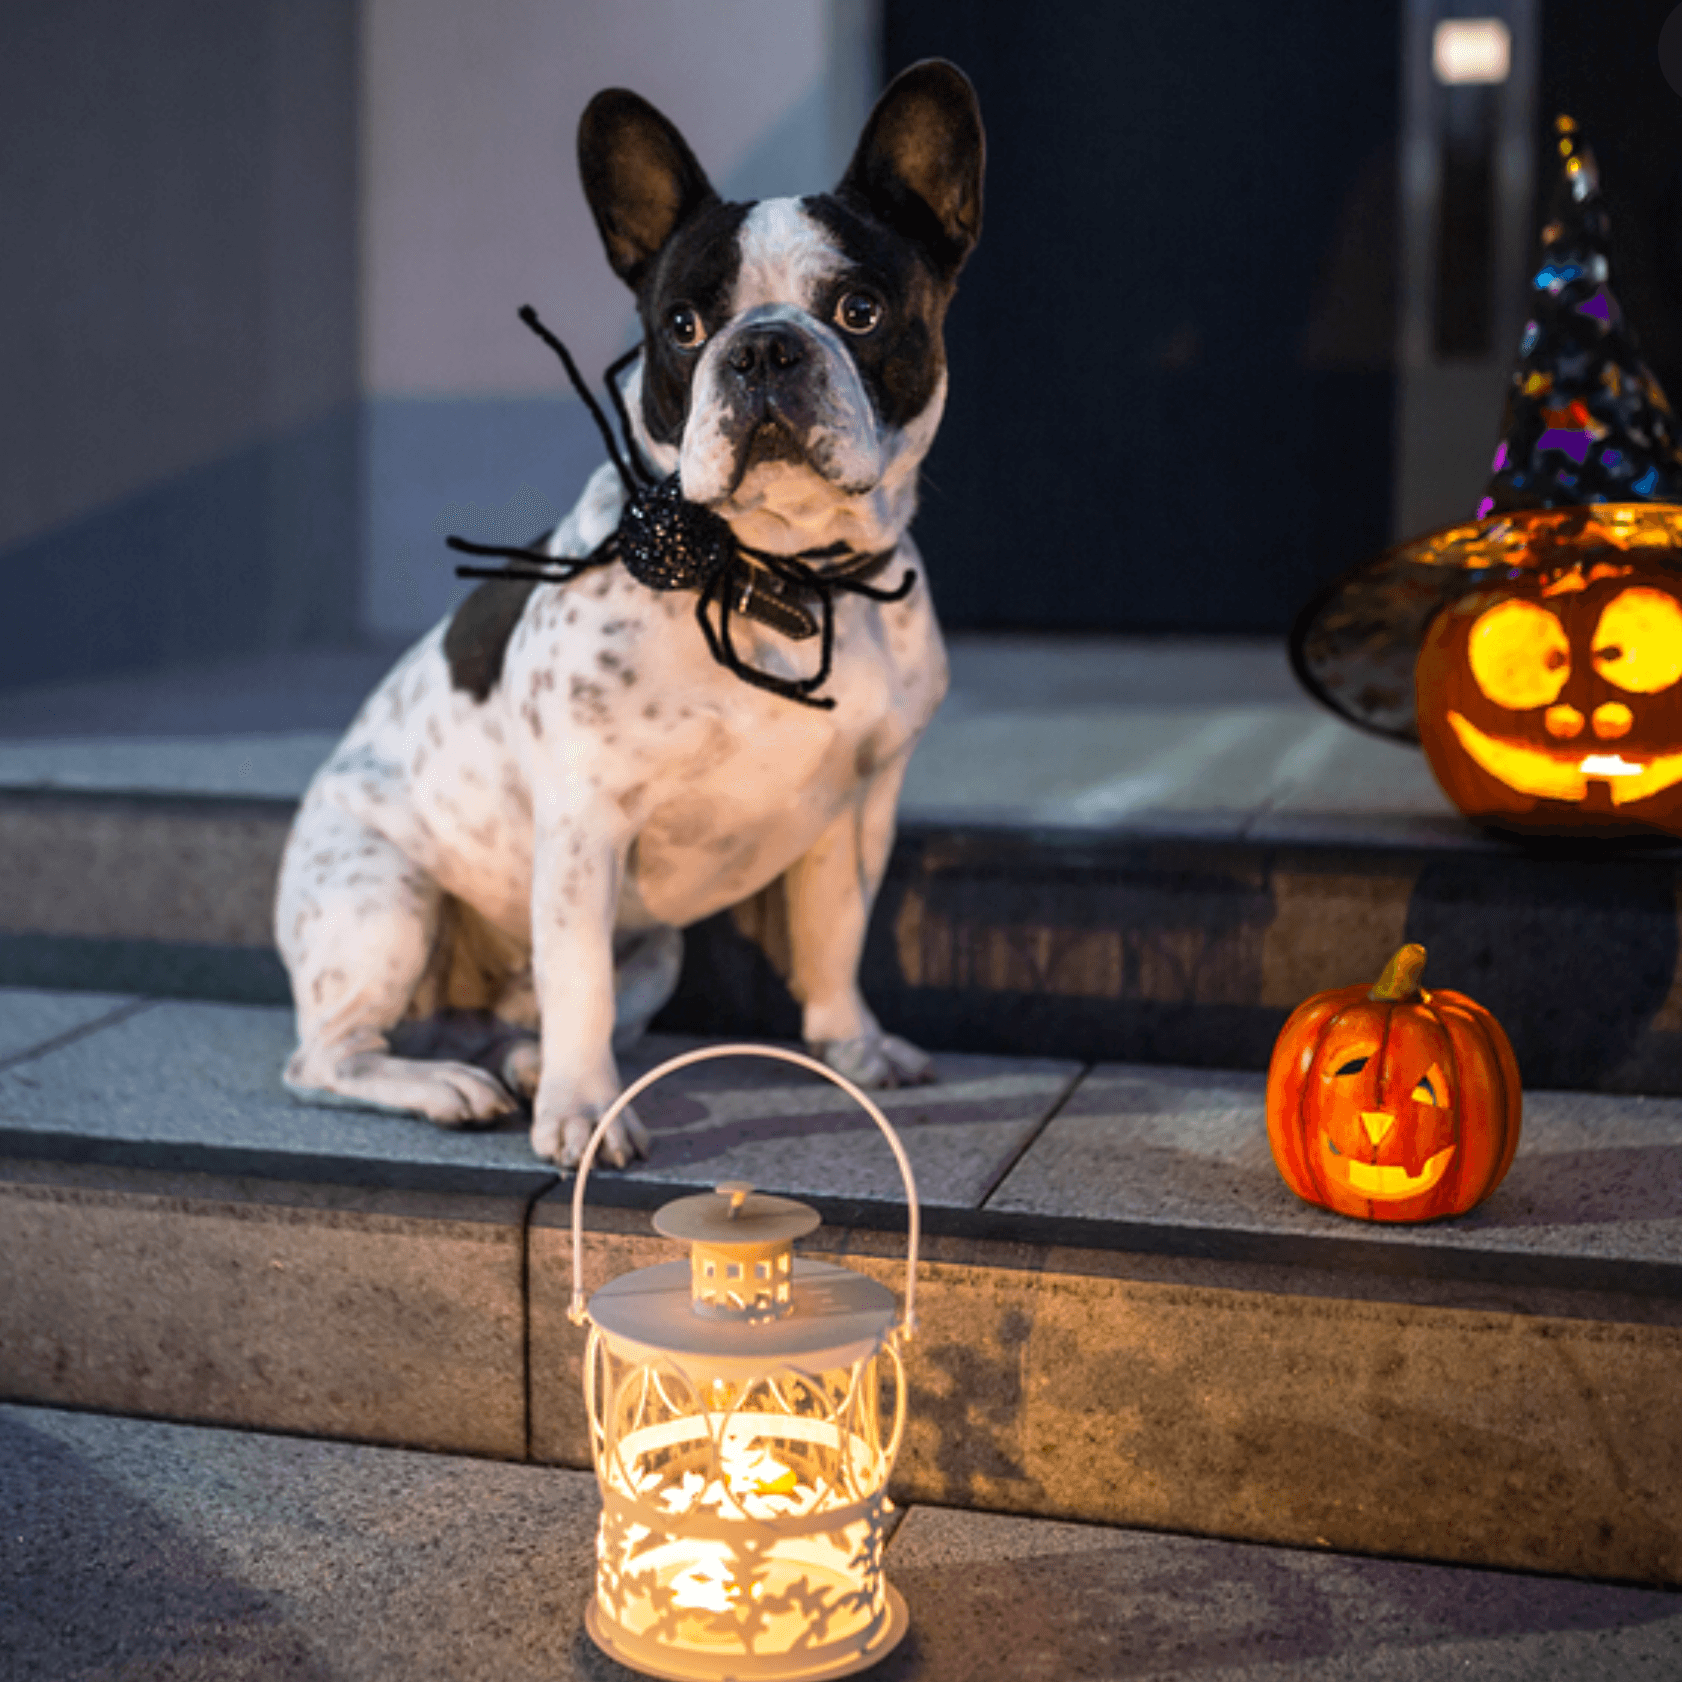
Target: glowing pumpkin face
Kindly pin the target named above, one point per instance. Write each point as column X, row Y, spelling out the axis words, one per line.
column 1554, row 702
column 1390, row 1103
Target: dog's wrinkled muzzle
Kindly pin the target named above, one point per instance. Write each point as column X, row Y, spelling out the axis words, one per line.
column 771, row 383
column 775, row 389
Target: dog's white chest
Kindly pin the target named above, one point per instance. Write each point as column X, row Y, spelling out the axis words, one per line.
column 613, row 699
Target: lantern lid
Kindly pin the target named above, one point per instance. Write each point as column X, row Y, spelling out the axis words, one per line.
column 838, row 1317
column 734, row 1213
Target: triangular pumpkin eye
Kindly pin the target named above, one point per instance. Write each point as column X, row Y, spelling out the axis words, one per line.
column 1353, row 1067
column 1431, row 1088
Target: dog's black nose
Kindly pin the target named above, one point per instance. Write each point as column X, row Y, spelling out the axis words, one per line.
column 762, row 354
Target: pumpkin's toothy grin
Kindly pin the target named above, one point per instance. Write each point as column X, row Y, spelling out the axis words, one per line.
column 1383, row 1182
column 1548, row 776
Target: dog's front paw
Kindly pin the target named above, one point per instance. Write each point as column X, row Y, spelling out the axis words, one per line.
column 563, row 1134
column 882, row 1060
column 454, row 1095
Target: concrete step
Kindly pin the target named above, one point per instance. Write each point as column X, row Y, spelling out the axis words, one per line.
column 137, row 1549
column 1125, row 1316
column 1157, row 886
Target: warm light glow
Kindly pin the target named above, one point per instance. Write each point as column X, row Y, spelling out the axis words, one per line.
column 1376, row 1123
column 1519, row 655
column 756, row 1472
column 1383, row 1182
column 1610, row 765
column 1638, row 642
column 1471, row 50
column 1612, row 720
column 1433, row 1089
column 1633, row 780
column 745, row 1408
column 1524, row 769
column 1534, row 771
column 755, row 1482
column 742, row 1516
column 707, row 1586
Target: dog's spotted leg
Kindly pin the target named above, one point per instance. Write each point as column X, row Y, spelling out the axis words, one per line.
column 646, row 965
column 830, row 892
column 355, row 920
column 578, row 866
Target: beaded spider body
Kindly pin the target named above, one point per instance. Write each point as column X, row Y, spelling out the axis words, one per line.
column 667, row 542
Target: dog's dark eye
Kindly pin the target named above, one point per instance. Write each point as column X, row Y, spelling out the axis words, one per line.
column 685, row 327
column 858, row 312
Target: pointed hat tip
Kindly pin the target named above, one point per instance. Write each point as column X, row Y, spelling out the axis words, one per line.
column 1585, row 420
column 1579, row 176
column 1585, row 425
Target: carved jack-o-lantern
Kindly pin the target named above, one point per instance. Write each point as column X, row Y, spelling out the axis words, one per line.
column 1553, row 701
column 1392, row 1103
column 1536, row 650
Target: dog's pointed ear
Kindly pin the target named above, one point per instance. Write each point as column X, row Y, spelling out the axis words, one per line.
column 920, row 160
column 640, row 177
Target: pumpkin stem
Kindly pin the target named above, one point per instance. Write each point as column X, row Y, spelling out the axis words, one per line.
column 1400, row 980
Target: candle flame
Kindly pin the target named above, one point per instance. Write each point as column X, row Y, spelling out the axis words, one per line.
column 753, row 1477
column 756, row 1472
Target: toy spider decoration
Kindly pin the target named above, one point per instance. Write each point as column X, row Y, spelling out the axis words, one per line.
column 670, row 543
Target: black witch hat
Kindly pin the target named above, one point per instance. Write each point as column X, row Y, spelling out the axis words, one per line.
column 1588, row 463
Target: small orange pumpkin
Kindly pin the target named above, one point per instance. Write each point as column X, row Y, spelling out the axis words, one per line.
column 1391, row 1103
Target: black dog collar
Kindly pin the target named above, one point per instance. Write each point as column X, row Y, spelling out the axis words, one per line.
column 667, row 542
column 783, row 604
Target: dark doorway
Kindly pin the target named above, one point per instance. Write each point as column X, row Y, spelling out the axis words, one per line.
column 1171, row 356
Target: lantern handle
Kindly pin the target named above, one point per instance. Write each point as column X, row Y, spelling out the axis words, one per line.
column 576, row 1312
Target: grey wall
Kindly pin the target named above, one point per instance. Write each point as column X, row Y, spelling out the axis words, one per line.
column 177, row 360
column 257, row 331
column 471, row 207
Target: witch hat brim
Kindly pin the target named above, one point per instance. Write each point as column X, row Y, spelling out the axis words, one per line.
column 1588, row 463
column 1354, row 645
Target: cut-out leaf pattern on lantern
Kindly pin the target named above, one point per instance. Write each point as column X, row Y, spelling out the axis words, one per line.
column 745, row 1514
column 1391, row 1103
column 742, row 1448
column 706, row 1586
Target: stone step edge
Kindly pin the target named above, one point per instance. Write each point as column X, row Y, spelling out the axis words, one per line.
column 1117, row 946
column 1156, row 1392
column 1369, row 1267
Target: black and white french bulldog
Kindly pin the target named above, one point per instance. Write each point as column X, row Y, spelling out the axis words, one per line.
column 561, row 776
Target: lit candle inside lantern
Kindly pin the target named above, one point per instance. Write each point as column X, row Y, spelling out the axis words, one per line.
column 745, row 1410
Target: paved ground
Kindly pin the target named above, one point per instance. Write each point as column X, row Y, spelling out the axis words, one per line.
column 137, row 1551
column 319, row 689
column 1598, row 1182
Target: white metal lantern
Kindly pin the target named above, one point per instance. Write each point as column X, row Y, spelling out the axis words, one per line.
column 742, row 1436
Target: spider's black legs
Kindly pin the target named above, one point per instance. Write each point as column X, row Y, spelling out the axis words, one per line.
column 529, row 316
column 723, row 648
